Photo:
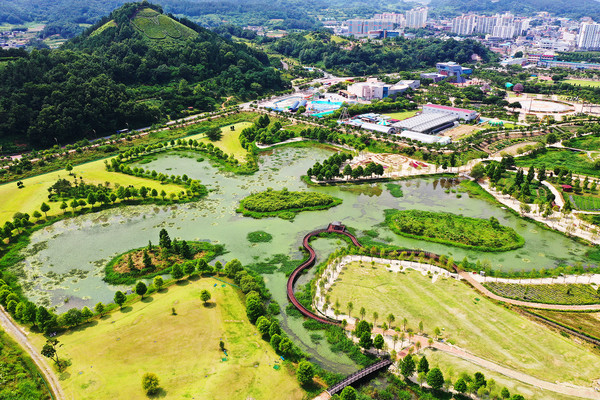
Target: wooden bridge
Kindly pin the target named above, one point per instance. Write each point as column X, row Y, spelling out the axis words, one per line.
column 358, row 375
column 336, row 228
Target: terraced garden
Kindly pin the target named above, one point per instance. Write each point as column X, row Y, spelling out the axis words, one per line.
column 586, row 203
column 548, row 294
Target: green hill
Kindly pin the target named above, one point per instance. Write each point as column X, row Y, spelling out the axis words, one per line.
column 134, row 67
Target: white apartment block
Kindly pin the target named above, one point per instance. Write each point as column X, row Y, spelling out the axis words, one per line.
column 416, row 18
column 396, row 18
column 589, row 36
column 503, row 31
column 464, row 25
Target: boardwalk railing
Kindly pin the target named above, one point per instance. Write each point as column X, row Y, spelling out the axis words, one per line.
column 358, row 375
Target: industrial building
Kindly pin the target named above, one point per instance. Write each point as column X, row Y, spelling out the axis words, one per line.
column 424, row 138
column 459, row 113
column 386, row 129
column 427, row 123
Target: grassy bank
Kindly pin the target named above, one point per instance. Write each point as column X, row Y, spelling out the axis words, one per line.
column 20, row 376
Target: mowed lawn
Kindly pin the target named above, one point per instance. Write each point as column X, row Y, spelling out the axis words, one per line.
column 468, row 320
column 230, row 142
column 402, row 115
column 35, row 191
column 110, row 357
column 581, row 82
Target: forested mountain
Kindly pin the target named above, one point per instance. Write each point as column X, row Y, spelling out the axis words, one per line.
column 561, row 8
column 133, row 68
column 64, row 16
column 371, row 58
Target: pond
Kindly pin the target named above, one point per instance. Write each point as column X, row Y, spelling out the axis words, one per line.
column 65, row 261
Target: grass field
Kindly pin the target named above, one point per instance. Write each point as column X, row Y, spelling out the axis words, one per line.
column 452, row 367
column 581, row 82
column 590, row 142
column 575, row 293
column 35, row 191
column 401, row 115
column 578, row 163
column 230, row 142
column 109, row 357
column 468, row 320
column 588, row 323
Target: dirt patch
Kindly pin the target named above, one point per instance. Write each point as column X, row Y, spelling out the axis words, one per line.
column 513, row 150
column 461, row 131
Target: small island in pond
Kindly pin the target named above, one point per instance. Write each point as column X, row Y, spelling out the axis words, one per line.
column 454, row 230
column 284, row 204
column 152, row 260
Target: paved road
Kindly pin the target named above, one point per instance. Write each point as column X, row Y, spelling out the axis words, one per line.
column 20, row 337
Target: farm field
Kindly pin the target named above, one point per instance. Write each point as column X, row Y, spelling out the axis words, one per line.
column 29, row 198
column 110, row 355
column 578, row 163
column 467, row 320
column 586, row 203
column 402, row 115
column 588, row 323
column 575, row 293
column 452, row 367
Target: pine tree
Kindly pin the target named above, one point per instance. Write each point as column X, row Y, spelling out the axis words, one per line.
column 164, row 239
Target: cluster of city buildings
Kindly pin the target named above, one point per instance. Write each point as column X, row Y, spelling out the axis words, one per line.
column 386, row 24
column 499, row 26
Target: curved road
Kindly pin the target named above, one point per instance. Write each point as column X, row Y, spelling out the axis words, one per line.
column 20, row 337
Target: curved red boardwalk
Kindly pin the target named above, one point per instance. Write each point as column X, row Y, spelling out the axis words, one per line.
column 333, row 228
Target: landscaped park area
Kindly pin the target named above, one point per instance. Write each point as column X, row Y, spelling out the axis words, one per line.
column 171, row 333
column 467, row 320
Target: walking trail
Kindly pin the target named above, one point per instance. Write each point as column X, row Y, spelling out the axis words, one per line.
column 11, row 327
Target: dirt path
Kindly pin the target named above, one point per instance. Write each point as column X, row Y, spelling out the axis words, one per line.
column 21, row 337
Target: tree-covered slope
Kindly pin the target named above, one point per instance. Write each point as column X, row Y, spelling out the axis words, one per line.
column 131, row 69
